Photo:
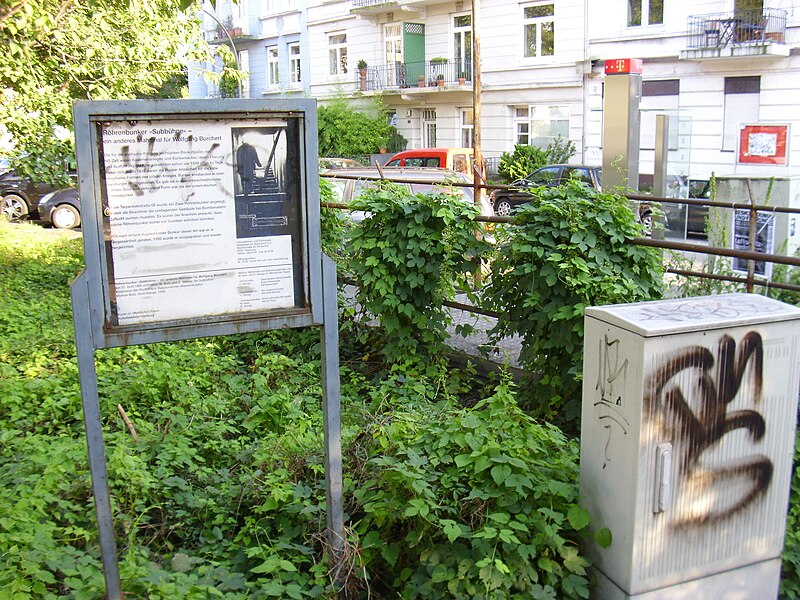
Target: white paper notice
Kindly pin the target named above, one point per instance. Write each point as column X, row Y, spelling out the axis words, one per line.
column 171, row 202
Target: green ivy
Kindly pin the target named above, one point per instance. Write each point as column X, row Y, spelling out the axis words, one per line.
column 470, row 503
column 566, row 250
column 407, row 255
column 526, row 159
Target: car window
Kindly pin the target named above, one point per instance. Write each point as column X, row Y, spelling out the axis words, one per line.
column 456, row 190
column 360, row 186
column 544, row 175
column 393, row 163
column 416, row 161
column 699, row 188
column 338, row 189
column 577, row 173
column 460, row 163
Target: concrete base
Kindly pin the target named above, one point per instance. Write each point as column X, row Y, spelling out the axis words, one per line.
column 758, row 581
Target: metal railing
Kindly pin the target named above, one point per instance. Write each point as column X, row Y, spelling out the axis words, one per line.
column 719, row 30
column 367, row 3
column 750, row 280
column 399, row 75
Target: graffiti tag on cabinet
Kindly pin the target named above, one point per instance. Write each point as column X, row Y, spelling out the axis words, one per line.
column 611, row 378
column 690, row 393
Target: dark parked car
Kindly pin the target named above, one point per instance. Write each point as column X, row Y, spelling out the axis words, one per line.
column 61, row 209
column 504, row 201
column 20, row 197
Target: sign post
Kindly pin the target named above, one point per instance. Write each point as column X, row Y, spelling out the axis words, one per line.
column 200, row 218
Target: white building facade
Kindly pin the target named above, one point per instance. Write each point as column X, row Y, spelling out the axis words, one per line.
column 713, row 66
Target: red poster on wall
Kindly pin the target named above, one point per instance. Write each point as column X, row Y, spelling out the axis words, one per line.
column 763, row 144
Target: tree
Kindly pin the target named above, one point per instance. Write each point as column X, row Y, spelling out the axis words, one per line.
column 58, row 51
column 346, row 131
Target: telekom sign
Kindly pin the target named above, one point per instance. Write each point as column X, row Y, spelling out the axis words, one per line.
column 623, row 66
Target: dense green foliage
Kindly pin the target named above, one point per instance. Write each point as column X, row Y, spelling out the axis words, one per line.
column 346, row 131
column 107, row 49
column 525, row 159
column 566, row 250
column 478, row 503
column 223, row 494
column 408, row 254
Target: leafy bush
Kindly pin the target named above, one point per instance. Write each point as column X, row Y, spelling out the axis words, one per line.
column 790, row 572
column 523, row 161
column 470, row 503
column 345, row 131
column 526, row 159
column 223, row 495
column 408, row 255
column 567, row 249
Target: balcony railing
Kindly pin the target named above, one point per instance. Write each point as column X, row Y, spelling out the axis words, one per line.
column 414, row 75
column 243, row 27
column 720, row 30
column 367, row 3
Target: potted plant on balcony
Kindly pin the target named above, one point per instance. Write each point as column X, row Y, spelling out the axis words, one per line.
column 440, row 80
column 462, row 78
column 362, row 74
column 421, row 81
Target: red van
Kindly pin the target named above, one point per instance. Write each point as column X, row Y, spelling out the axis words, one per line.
column 455, row 159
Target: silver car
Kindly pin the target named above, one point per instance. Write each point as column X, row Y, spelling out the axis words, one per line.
column 350, row 183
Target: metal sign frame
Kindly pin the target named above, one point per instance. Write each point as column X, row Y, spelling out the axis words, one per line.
column 314, row 294
column 89, row 118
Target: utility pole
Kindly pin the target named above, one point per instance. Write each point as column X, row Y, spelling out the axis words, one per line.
column 479, row 178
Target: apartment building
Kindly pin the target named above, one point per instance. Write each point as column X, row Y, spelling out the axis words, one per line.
column 712, row 66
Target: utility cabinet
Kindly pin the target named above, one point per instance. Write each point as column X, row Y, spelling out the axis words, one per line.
column 687, row 438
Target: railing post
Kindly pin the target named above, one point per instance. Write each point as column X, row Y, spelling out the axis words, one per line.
column 751, row 239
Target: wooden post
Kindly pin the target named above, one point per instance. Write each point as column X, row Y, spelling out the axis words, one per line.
column 751, row 239
column 479, row 169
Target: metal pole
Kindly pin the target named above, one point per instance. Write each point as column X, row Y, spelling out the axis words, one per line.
column 331, row 413
column 660, row 172
column 94, row 435
column 479, row 164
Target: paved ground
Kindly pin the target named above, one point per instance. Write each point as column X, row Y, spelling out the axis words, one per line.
column 477, row 344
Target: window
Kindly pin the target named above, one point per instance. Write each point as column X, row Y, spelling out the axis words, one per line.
column 273, row 78
column 429, row 127
column 741, row 106
column 462, row 45
column 538, row 125
column 277, row 6
column 295, row 77
column 467, row 127
column 337, row 53
column 645, row 11
column 538, row 23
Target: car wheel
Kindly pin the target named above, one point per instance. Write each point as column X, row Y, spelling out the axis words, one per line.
column 13, row 207
column 65, row 216
column 502, row 207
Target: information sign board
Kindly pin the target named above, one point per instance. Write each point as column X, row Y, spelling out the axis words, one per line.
column 203, row 215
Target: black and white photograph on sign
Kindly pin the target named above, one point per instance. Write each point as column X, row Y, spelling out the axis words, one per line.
column 202, row 217
column 265, row 181
column 765, row 233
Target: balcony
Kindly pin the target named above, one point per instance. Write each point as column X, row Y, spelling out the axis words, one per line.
column 374, row 7
column 432, row 75
column 743, row 33
column 241, row 28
